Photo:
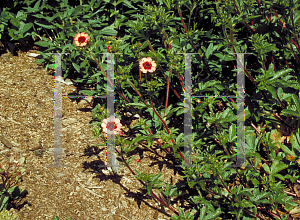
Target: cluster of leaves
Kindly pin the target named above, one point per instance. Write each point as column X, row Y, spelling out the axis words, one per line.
column 266, row 32
column 7, row 215
column 11, row 174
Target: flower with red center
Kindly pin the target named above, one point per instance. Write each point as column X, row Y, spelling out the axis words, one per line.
column 112, row 126
column 81, row 39
column 147, row 64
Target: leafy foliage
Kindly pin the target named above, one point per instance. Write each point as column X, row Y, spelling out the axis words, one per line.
column 166, row 31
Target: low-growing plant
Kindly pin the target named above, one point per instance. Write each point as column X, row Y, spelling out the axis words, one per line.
column 148, row 41
column 11, row 174
column 8, row 215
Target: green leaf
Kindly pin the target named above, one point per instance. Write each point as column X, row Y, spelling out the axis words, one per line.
column 279, row 176
column 87, row 92
column 156, row 177
column 209, row 50
column 290, row 112
column 27, row 27
column 250, row 142
column 149, row 188
column 45, row 26
column 129, row 160
column 277, row 166
column 297, row 102
column 5, row 200
column 37, row 5
column 128, row 4
column 295, row 141
column 108, row 31
column 266, row 168
column 287, row 150
column 138, row 139
column 180, row 111
column 279, row 74
column 39, row 16
column 138, row 104
column 43, row 43
column 272, row 90
column 39, row 61
column 15, row 22
column 77, row 67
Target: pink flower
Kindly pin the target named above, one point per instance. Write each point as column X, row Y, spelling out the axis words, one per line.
column 81, row 39
column 112, row 126
column 147, row 64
